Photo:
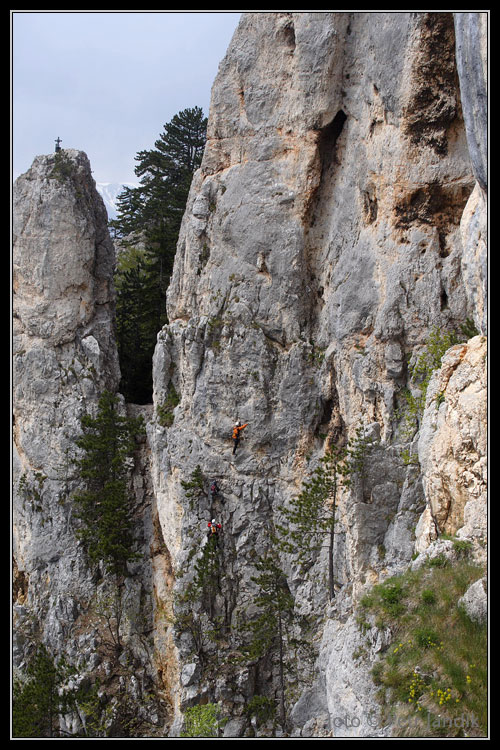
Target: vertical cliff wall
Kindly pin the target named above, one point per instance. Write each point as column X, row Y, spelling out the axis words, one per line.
column 321, row 244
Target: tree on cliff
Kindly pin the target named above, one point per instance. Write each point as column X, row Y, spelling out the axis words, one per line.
column 40, row 697
column 103, row 506
column 311, row 515
column 269, row 629
column 148, row 224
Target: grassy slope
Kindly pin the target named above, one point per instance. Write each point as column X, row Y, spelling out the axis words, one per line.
column 433, row 677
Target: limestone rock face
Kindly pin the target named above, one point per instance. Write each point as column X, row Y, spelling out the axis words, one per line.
column 64, row 357
column 64, row 353
column 452, row 444
column 472, row 64
column 321, row 243
column 63, row 344
column 63, row 263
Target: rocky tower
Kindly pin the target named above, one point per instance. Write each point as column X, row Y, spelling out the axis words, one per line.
column 64, row 357
column 339, row 217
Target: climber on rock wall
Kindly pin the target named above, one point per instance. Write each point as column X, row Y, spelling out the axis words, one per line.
column 214, row 529
column 238, row 427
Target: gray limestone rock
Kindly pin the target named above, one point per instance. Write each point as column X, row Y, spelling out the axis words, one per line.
column 64, row 357
column 320, row 245
column 475, row 601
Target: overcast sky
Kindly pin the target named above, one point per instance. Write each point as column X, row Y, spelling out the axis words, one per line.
column 106, row 83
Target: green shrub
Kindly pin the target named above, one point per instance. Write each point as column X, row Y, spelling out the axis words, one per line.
column 63, row 167
column 391, row 595
column 426, row 637
column 202, row 721
column 420, row 373
column 165, row 411
column 262, row 708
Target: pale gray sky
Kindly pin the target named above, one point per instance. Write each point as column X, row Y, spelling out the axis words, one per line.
column 106, row 83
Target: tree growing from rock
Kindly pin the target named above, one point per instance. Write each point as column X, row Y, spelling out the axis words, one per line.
column 270, row 629
column 104, row 506
column 311, row 515
column 39, row 698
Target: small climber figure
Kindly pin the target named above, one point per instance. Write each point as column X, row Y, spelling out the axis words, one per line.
column 58, row 147
column 214, row 529
column 214, row 489
column 238, row 427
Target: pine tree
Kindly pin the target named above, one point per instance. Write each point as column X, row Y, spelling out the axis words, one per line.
column 104, row 506
column 311, row 515
column 38, row 699
column 150, row 216
column 269, row 629
column 193, row 487
column 196, row 601
column 207, row 573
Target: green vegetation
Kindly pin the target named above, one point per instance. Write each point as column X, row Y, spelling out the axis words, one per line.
column 165, row 411
column 63, row 167
column 311, row 514
column 47, row 690
column 468, row 329
column 31, row 489
column 38, row 698
column 420, row 373
column 202, row 720
column 261, row 708
column 148, row 224
column 270, row 630
column 104, row 506
column 195, row 605
column 433, row 677
column 268, row 640
column 136, row 327
column 207, row 574
column 193, row 488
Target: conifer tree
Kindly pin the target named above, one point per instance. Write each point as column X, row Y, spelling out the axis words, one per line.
column 38, row 699
column 269, row 629
column 207, row 573
column 195, row 603
column 193, row 487
column 149, row 217
column 311, row 515
column 104, row 506
column 136, row 327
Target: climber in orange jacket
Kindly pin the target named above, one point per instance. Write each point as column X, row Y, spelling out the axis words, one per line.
column 238, row 427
